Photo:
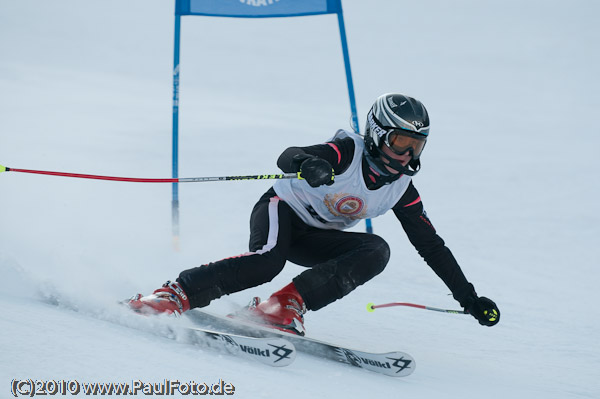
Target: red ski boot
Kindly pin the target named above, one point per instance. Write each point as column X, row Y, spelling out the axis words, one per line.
column 284, row 310
column 169, row 299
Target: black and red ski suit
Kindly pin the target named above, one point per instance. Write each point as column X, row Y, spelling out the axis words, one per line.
column 337, row 261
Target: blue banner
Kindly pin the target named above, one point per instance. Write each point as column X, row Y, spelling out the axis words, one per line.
column 257, row 8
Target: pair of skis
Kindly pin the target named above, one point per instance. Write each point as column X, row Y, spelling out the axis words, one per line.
column 276, row 348
column 266, row 345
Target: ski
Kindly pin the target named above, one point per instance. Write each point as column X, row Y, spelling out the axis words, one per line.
column 272, row 351
column 394, row 364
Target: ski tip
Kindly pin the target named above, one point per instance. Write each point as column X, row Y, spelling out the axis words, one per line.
column 370, row 307
column 3, row 168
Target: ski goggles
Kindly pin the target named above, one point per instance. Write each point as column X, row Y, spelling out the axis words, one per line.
column 398, row 140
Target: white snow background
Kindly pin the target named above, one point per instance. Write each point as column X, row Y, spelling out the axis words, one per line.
column 509, row 179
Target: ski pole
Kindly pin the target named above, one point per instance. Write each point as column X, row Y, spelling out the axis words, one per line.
column 371, row 307
column 166, row 180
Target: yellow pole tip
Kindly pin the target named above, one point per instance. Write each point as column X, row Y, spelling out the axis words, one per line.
column 370, row 307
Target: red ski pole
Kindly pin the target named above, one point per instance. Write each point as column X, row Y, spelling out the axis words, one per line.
column 154, row 180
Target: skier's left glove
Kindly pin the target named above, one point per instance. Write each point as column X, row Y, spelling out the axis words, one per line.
column 484, row 310
column 316, row 171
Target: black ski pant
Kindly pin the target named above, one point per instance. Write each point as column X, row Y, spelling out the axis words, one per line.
column 338, row 261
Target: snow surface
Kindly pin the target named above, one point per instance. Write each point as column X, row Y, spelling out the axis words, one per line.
column 509, row 179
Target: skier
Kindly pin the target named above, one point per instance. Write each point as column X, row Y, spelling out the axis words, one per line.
column 302, row 220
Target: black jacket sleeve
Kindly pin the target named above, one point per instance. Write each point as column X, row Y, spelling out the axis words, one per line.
column 338, row 153
column 421, row 233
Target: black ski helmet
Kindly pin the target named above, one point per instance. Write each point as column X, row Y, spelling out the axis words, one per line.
column 402, row 124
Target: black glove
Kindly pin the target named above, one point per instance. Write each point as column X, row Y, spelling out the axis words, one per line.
column 316, row 171
column 484, row 310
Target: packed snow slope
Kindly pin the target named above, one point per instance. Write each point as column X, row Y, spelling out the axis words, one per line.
column 509, row 180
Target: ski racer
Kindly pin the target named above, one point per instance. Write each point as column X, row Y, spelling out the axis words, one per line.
column 344, row 180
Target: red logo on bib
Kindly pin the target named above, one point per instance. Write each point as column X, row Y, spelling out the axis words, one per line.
column 349, row 205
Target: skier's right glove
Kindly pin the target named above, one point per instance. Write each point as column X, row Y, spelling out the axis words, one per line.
column 316, row 171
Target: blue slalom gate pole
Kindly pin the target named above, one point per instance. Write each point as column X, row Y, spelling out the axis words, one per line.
column 348, row 71
column 342, row 26
column 175, row 145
